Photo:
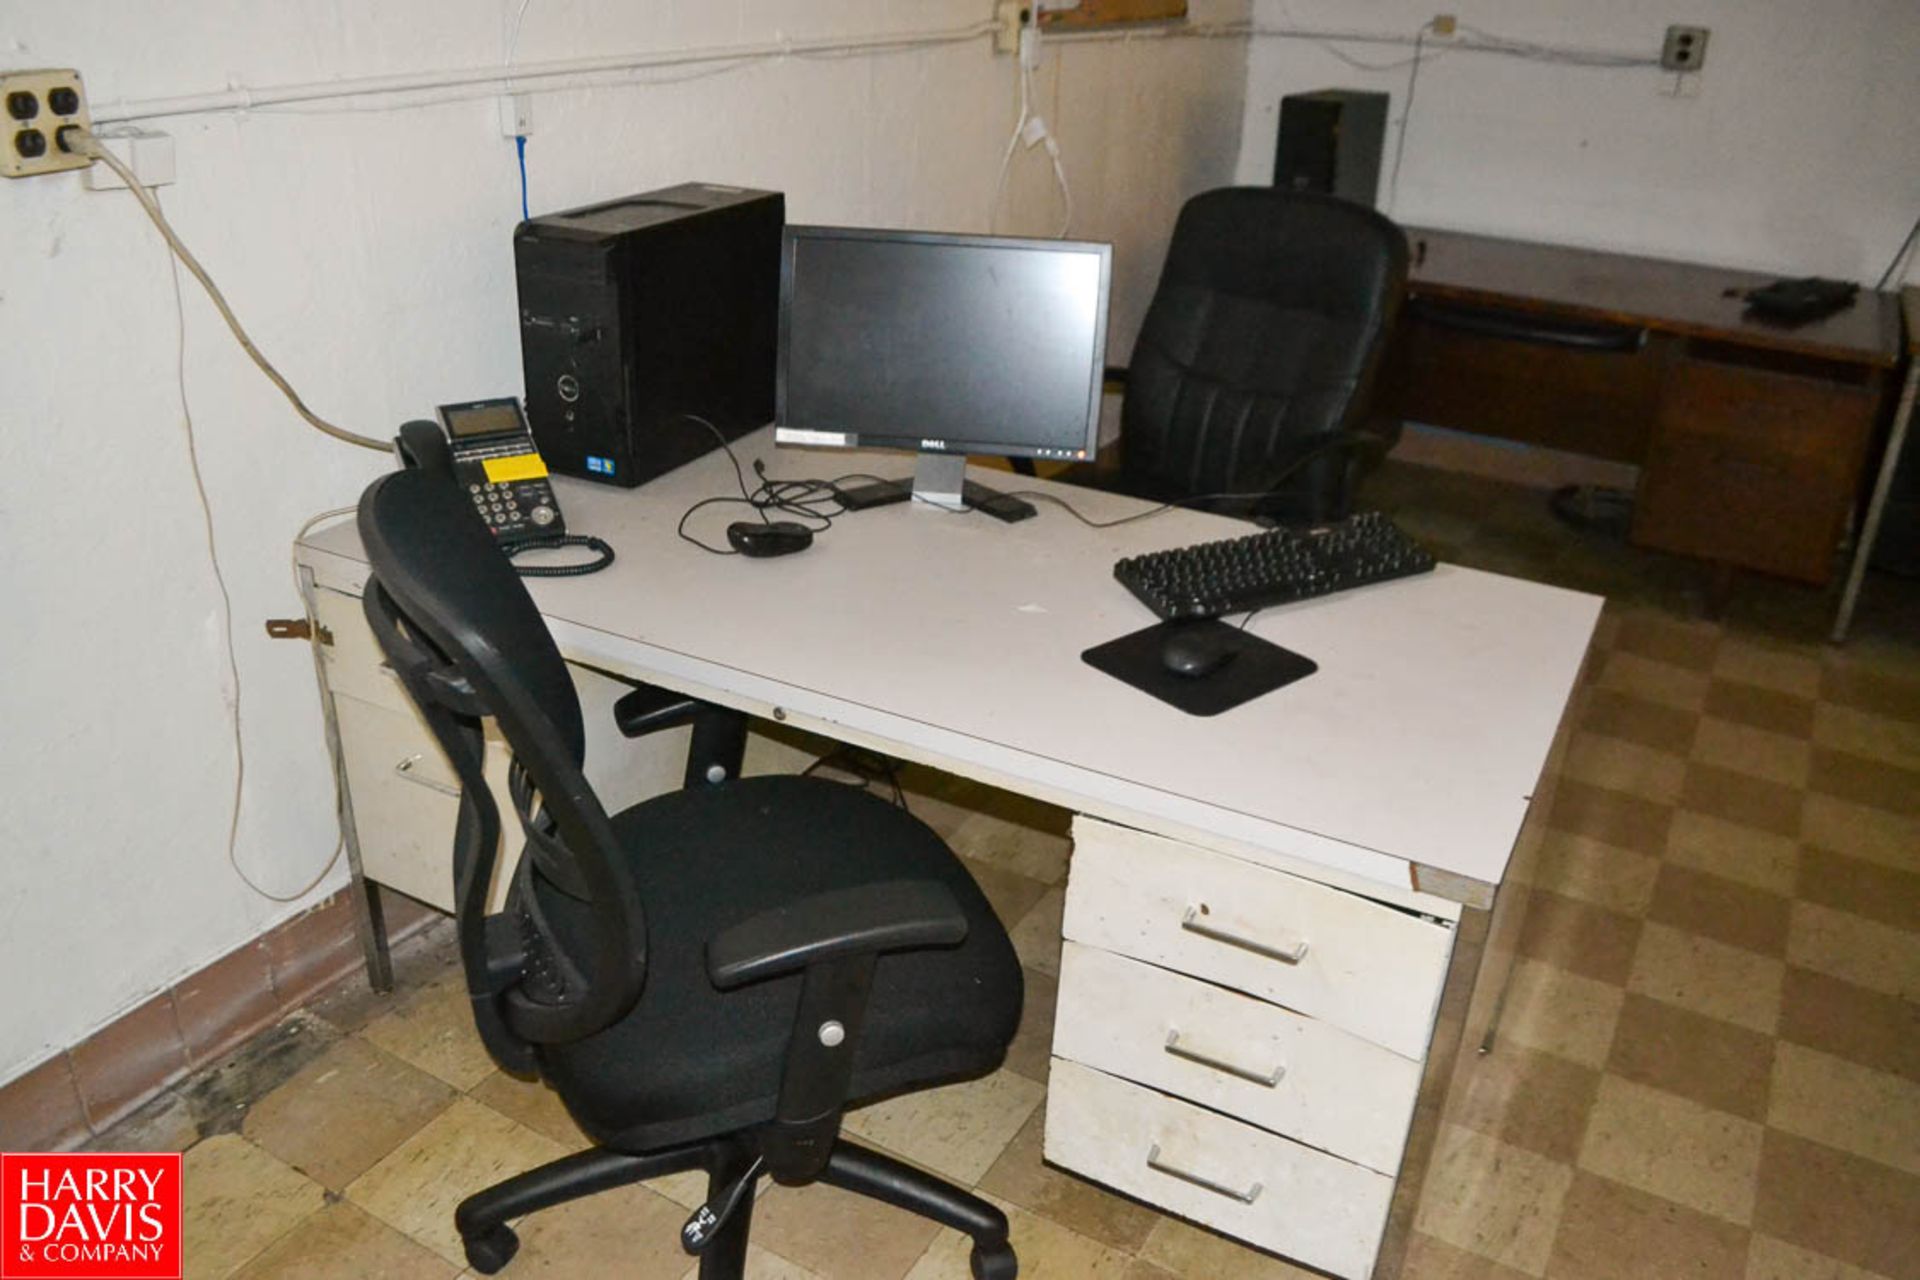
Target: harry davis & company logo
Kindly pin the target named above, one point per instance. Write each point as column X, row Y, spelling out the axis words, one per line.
column 90, row 1216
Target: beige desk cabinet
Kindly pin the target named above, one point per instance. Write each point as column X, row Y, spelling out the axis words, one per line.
column 399, row 790
column 1240, row 1045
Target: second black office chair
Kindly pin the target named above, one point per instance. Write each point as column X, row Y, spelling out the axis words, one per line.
column 1257, row 355
column 707, row 979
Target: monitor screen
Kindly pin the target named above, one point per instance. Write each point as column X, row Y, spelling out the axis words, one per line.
column 941, row 343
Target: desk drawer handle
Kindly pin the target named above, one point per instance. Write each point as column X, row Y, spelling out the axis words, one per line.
column 1154, row 1163
column 1267, row 1079
column 405, row 771
column 1292, row 950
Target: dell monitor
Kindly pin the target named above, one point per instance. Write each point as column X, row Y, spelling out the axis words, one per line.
column 944, row 344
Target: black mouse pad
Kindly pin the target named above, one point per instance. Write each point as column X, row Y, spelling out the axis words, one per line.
column 1258, row 666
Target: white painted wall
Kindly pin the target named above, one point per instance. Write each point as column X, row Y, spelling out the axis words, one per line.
column 1799, row 154
column 369, row 251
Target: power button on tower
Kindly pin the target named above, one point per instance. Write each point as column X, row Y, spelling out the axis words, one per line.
column 569, row 387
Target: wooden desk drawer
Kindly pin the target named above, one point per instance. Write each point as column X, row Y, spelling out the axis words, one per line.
column 1231, row 1053
column 1753, row 467
column 1453, row 367
column 1230, row 1176
column 1760, row 413
column 1370, row 969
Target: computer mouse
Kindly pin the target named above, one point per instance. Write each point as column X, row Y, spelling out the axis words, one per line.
column 774, row 538
column 1193, row 652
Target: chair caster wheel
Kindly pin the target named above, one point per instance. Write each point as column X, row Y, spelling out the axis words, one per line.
column 995, row 1263
column 492, row 1251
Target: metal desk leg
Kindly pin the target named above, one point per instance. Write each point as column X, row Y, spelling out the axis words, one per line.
column 369, row 920
column 1870, row 530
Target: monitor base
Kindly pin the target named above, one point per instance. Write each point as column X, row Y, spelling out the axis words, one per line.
column 940, row 480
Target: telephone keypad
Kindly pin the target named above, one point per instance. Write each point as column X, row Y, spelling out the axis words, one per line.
column 500, row 508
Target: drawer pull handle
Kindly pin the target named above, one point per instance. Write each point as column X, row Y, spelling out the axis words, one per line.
column 405, row 770
column 1267, row 1079
column 1156, row 1164
column 1292, row 951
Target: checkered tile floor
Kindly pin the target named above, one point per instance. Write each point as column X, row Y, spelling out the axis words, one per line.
column 1709, row 1064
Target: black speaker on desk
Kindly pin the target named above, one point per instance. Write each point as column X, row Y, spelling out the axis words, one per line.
column 638, row 311
column 1331, row 141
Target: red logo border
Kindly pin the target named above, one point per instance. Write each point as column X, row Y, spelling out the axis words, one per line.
column 180, row 1216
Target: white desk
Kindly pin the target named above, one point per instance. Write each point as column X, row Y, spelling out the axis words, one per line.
column 1401, row 772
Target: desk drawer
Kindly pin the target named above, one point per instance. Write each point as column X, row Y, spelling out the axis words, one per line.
column 1753, row 467
column 1370, row 969
column 1233, row 1054
column 1767, row 413
column 1577, row 386
column 405, row 798
column 1218, row 1172
column 353, row 660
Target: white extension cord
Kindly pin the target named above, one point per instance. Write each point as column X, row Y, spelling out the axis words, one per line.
column 1030, row 127
column 86, row 144
column 83, row 143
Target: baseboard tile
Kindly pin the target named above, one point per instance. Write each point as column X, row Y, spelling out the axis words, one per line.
column 86, row 1088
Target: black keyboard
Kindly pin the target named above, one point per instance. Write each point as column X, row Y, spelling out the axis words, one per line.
column 1276, row 566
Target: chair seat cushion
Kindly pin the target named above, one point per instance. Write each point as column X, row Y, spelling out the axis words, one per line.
column 690, row 1061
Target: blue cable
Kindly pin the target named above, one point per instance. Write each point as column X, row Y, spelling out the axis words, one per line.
column 520, row 144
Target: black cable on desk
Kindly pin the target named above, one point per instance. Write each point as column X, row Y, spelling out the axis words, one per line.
column 803, row 500
column 1148, row 514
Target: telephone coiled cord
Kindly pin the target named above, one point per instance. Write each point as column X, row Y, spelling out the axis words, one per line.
column 602, row 551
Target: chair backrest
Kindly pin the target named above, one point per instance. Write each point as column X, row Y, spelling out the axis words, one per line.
column 467, row 643
column 1265, row 332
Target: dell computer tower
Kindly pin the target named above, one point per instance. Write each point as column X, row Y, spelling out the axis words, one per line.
column 1331, row 142
column 637, row 312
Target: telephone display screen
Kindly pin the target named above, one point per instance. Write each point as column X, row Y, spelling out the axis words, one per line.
column 484, row 420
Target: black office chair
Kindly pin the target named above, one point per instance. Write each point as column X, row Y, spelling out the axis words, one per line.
column 707, row 979
column 1255, row 360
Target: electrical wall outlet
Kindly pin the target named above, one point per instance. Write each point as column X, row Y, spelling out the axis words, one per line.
column 1446, row 24
column 149, row 155
column 1685, row 49
column 37, row 106
column 1011, row 15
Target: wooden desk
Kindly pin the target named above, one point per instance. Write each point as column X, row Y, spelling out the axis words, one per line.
column 1751, row 438
column 1364, row 817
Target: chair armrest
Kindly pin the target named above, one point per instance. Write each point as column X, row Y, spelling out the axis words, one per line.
column 894, row 915
column 648, row 710
column 719, row 743
column 836, row 940
column 1339, row 440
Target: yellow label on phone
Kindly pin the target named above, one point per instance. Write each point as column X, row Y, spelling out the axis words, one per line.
column 521, row 466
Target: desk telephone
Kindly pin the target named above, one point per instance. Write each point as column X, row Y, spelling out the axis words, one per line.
column 487, row 449
column 496, row 462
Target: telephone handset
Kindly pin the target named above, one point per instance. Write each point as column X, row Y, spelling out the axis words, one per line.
column 497, row 463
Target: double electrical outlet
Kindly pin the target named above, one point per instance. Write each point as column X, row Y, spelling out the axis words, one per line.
column 39, row 106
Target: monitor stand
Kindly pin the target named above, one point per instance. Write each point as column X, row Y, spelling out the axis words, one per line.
column 939, row 479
